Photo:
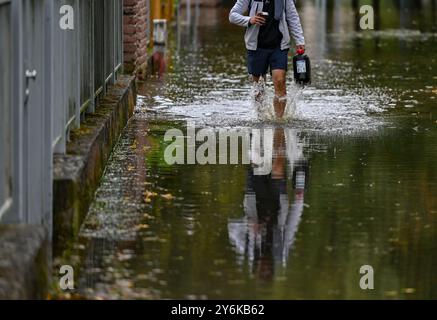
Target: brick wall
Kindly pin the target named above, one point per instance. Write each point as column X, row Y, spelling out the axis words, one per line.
column 136, row 24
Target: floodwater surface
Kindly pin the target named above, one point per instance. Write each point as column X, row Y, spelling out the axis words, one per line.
column 351, row 175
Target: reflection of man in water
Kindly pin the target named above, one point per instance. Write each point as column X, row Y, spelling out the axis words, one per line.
column 268, row 229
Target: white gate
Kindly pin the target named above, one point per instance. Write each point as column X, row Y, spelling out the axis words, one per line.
column 49, row 79
column 5, row 109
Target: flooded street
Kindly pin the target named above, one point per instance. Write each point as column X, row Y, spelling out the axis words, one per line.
column 352, row 179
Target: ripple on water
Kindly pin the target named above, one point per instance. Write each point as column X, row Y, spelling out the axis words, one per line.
column 344, row 110
column 404, row 34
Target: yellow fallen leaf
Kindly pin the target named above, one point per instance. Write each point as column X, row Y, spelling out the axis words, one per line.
column 391, row 293
column 142, row 227
column 409, row 290
column 167, row 196
column 150, row 194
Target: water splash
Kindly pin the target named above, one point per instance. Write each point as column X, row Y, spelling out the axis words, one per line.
column 263, row 98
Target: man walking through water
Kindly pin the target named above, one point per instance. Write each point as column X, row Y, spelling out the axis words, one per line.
column 270, row 26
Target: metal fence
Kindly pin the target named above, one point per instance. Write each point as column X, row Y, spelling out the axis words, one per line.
column 49, row 79
column 5, row 108
column 96, row 49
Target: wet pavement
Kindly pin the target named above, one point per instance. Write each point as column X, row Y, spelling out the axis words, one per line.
column 353, row 176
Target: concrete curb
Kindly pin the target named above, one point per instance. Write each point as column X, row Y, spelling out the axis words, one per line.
column 24, row 262
column 77, row 174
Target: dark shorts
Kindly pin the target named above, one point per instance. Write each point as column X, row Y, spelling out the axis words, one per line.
column 259, row 61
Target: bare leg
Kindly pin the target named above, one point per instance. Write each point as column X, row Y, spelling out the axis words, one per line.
column 279, row 160
column 260, row 93
column 280, row 101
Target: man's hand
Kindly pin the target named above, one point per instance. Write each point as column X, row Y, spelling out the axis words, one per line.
column 300, row 48
column 257, row 20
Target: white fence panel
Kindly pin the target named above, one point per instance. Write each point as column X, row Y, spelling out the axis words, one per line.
column 52, row 77
column 5, row 109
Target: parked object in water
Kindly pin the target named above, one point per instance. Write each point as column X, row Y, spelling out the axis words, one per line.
column 160, row 32
column 302, row 68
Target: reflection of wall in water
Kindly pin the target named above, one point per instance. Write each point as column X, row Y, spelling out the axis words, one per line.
column 343, row 16
column 190, row 19
column 314, row 23
column 201, row 3
column 199, row 16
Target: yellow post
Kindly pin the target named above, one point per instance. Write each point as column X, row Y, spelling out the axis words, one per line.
column 169, row 10
column 155, row 6
column 155, row 13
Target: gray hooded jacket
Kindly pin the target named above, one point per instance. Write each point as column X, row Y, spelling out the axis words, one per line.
column 288, row 25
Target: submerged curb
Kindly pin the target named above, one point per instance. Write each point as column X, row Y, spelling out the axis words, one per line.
column 24, row 262
column 77, row 174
